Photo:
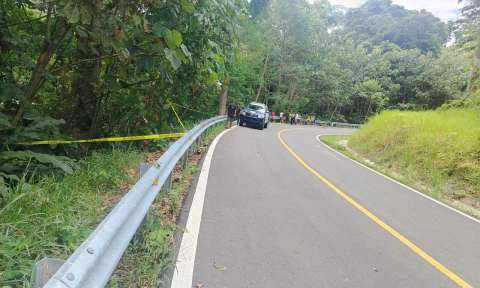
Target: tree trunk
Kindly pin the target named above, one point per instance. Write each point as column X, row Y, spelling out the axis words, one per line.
column 222, row 97
column 292, row 90
column 36, row 80
column 334, row 112
column 369, row 109
column 86, row 87
column 472, row 80
column 262, row 80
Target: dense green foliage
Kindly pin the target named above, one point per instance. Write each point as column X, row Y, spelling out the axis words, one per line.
column 438, row 148
column 107, row 68
column 349, row 64
column 113, row 67
column 379, row 21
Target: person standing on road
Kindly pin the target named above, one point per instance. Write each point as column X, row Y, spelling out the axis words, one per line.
column 230, row 115
column 237, row 114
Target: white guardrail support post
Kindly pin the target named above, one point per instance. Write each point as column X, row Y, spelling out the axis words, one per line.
column 93, row 263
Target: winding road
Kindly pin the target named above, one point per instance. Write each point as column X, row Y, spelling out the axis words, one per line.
column 280, row 209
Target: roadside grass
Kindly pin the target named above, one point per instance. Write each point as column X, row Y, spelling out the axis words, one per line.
column 151, row 255
column 334, row 142
column 436, row 152
column 53, row 216
column 341, row 144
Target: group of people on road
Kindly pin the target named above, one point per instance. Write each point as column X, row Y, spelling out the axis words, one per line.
column 233, row 113
column 295, row 118
column 289, row 117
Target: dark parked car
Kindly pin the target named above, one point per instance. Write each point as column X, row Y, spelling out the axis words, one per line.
column 255, row 114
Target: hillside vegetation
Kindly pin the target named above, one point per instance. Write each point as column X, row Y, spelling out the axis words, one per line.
column 438, row 149
column 74, row 69
column 52, row 217
column 83, row 69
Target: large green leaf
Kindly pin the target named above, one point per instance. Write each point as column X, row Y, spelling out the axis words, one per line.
column 171, row 55
column 186, row 52
column 219, row 59
column 173, row 39
column 75, row 16
column 160, row 30
column 42, row 122
column 58, row 162
column 213, row 77
column 187, row 6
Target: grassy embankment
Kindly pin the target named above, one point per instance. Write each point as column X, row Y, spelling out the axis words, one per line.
column 53, row 216
column 436, row 152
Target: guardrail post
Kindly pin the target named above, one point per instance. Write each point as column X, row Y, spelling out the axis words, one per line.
column 193, row 148
column 188, row 152
column 197, row 144
column 167, row 186
column 200, row 139
column 143, row 169
column 184, row 160
column 44, row 270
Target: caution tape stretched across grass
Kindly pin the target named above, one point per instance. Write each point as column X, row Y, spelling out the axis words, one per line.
column 120, row 139
column 109, row 139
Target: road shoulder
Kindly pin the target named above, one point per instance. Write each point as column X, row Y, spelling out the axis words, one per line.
column 340, row 147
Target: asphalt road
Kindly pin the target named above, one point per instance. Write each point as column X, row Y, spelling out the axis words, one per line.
column 270, row 222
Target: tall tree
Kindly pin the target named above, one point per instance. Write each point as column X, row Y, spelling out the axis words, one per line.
column 382, row 21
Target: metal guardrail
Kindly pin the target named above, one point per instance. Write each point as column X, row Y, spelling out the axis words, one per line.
column 93, row 263
column 337, row 124
column 319, row 122
column 348, row 125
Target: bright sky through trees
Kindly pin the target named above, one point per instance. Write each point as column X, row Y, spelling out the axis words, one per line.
column 444, row 9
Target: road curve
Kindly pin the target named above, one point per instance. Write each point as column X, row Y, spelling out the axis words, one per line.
column 270, row 222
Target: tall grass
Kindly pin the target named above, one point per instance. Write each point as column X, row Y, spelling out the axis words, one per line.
column 52, row 217
column 438, row 148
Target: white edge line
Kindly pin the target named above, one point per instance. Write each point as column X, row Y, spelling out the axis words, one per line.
column 183, row 272
column 397, row 182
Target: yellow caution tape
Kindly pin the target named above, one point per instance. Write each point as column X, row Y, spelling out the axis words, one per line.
column 109, row 139
column 120, row 139
column 176, row 115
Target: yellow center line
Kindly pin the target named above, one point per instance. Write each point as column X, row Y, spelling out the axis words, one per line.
column 417, row 250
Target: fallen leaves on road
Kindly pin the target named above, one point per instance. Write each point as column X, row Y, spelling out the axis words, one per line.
column 219, row 267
